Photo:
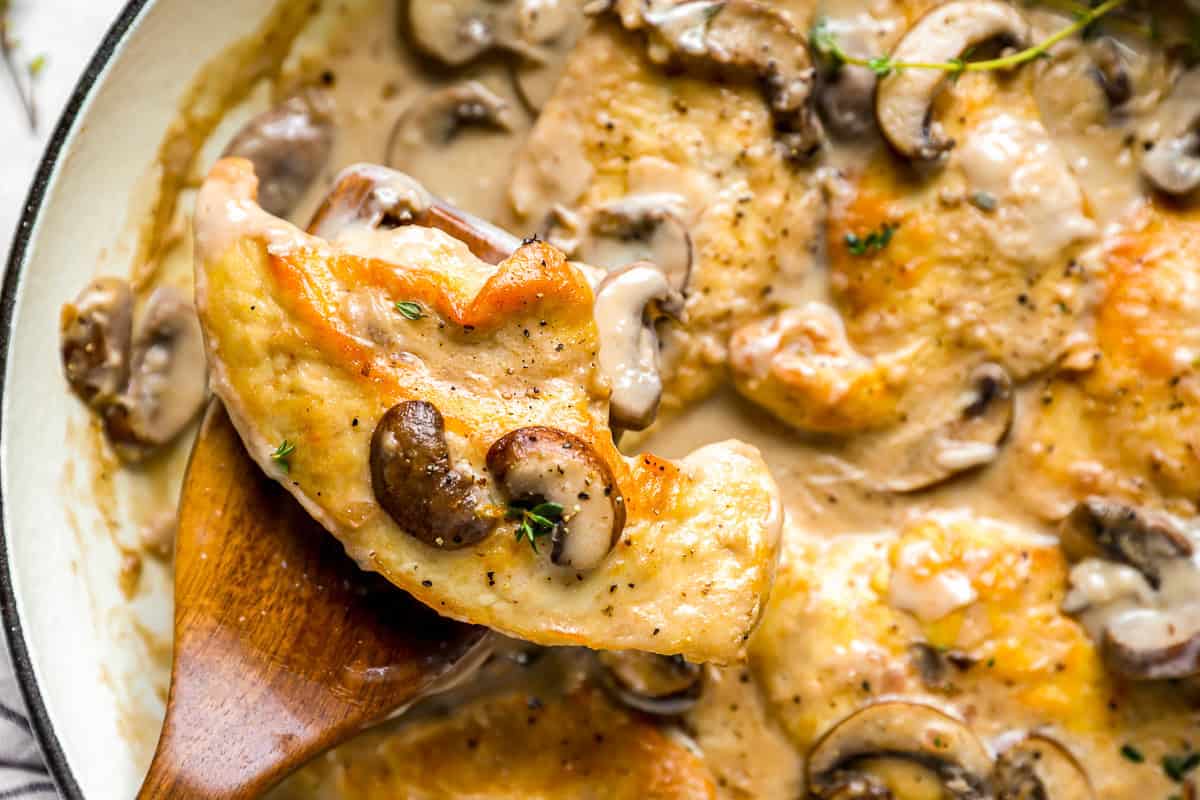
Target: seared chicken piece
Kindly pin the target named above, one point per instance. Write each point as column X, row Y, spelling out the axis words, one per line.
column 1122, row 419
column 515, row 747
column 446, row 420
column 884, row 656
column 630, row 161
column 948, row 284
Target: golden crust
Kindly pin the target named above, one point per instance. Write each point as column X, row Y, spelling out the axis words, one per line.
column 305, row 346
column 625, row 127
column 839, row 633
column 512, row 747
column 1124, row 419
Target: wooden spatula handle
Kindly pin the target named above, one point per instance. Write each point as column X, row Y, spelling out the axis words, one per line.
column 258, row 689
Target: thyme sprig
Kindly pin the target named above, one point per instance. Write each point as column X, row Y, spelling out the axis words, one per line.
column 827, row 45
column 535, row 521
column 24, row 81
column 283, row 454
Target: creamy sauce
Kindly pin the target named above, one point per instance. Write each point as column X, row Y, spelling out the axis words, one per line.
column 1044, row 187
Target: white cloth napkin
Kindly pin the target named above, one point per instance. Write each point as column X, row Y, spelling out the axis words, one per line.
column 64, row 33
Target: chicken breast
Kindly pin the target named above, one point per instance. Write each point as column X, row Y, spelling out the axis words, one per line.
column 514, row 747
column 486, row 383
column 963, row 616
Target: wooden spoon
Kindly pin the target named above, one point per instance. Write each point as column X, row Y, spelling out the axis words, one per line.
column 283, row 647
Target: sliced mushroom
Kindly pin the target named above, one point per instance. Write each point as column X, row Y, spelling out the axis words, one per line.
column 1154, row 644
column 846, row 93
column 167, row 378
column 904, row 101
column 1172, row 158
column 1111, row 71
column 1141, row 538
column 629, row 355
column 740, row 38
column 416, row 484
column 663, row 685
column 642, row 227
column 439, row 117
column 289, row 146
column 1135, row 585
column 540, row 464
column 866, row 754
column 1039, row 768
column 923, row 456
column 96, row 332
column 457, row 31
column 551, row 28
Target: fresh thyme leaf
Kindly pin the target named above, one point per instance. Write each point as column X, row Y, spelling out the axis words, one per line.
column 536, row 522
column 873, row 242
column 1177, row 767
column 1085, row 23
column 881, row 66
column 1131, row 753
column 283, row 454
column 410, row 310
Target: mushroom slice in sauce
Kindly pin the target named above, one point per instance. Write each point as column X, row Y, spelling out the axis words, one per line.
column 894, row 741
column 1039, row 768
column 551, row 28
column 455, row 32
column 641, row 227
column 289, row 146
column 1136, row 588
column 429, row 126
column 539, row 464
column 743, row 38
column 904, row 101
column 971, row 438
column 1172, row 158
column 655, row 684
column 845, row 93
column 418, row 486
column 629, row 355
column 1112, row 71
column 167, row 377
column 96, row 333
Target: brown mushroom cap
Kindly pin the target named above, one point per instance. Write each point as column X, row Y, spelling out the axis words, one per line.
column 840, row 765
column 629, row 356
column 1098, row 527
column 168, row 378
column 642, row 227
column 549, row 465
column 1154, row 645
column 1039, row 767
column 968, row 439
column 739, row 38
column 1172, row 158
column 417, row 486
column 655, row 684
column 289, row 145
column 904, row 101
column 96, row 331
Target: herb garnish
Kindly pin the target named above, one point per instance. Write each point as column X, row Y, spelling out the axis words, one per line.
column 827, row 45
column 24, row 84
column 873, row 242
column 1177, row 767
column 283, row 454
column 536, row 521
column 1131, row 753
column 410, row 310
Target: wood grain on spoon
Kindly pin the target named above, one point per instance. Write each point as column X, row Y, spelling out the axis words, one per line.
column 283, row 647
